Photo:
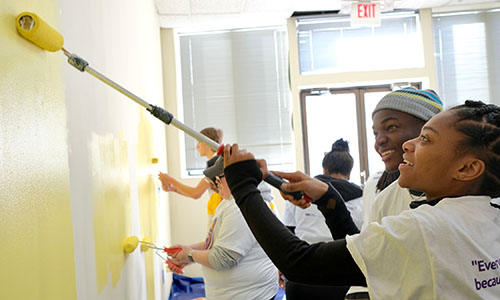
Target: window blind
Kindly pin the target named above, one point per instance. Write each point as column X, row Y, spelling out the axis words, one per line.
column 466, row 50
column 238, row 81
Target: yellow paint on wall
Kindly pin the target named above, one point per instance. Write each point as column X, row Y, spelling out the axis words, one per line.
column 147, row 195
column 111, row 205
column 36, row 231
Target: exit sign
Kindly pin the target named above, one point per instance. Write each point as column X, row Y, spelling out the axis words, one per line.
column 365, row 14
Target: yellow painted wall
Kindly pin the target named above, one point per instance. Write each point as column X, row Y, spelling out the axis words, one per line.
column 74, row 152
column 36, row 256
column 111, row 206
column 147, row 196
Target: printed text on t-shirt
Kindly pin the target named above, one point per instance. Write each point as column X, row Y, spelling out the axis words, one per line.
column 486, row 266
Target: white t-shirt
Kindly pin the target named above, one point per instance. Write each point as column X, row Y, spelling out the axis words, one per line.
column 355, row 207
column 369, row 193
column 447, row 251
column 392, row 201
column 310, row 225
column 267, row 195
column 255, row 276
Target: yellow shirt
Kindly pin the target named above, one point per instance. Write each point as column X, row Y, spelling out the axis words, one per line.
column 213, row 202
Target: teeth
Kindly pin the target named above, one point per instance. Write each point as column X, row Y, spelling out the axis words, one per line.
column 387, row 152
column 407, row 162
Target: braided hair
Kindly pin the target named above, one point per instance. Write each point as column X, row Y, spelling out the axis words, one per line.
column 338, row 160
column 480, row 123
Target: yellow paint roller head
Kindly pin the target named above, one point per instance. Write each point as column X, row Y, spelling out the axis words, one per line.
column 130, row 243
column 145, row 244
column 35, row 30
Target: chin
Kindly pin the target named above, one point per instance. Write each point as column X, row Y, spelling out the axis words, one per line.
column 406, row 182
column 392, row 167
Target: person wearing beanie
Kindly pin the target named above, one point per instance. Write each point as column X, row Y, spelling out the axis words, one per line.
column 234, row 265
column 398, row 117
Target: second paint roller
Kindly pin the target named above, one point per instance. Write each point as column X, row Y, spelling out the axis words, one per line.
column 35, row 30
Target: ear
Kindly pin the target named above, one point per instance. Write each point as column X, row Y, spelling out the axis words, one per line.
column 471, row 169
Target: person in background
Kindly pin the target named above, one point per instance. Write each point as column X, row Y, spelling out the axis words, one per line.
column 170, row 184
column 309, row 224
column 234, row 265
column 445, row 248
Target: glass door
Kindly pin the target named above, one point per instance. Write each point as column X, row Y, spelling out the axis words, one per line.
column 330, row 117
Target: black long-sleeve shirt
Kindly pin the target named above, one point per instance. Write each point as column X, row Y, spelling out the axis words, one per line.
column 319, row 264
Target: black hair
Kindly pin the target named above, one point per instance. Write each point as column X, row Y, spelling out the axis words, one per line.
column 480, row 123
column 338, row 160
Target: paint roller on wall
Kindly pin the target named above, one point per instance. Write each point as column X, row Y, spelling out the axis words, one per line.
column 35, row 30
column 131, row 243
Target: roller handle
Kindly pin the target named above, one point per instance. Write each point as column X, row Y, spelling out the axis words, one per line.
column 277, row 182
column 274, row 181
column 173, row 267
column 165, row 116
column 161, row 114
column 171, row 251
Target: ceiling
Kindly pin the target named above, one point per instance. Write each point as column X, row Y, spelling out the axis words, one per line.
column 218, row 14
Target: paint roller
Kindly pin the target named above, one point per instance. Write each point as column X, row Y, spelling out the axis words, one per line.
column 35, row 30
column 131, row 243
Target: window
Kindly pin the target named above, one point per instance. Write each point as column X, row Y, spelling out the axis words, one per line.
column 332, row 45
column 467, row 47
column 238, row 81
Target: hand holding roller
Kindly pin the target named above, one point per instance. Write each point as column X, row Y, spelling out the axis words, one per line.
column 35, row 30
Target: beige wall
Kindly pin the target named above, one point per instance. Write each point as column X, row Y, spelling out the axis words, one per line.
column 75, row 155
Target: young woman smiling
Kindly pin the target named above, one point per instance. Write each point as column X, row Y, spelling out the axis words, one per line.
column 445, row 248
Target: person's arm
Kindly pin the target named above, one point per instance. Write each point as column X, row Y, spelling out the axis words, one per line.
column 337, row 216
column 320, row 263
column 192, row 192
column 217, row 258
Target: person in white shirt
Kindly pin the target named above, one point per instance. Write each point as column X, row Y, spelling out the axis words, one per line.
column 447, row 247
column 309, row 224
column 233, row 263
column 398, row 117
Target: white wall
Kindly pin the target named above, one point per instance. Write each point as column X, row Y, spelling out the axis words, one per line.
column 121, row 39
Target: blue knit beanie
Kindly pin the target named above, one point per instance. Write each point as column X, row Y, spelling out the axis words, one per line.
column 423, row 104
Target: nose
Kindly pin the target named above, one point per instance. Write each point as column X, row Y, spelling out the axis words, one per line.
column 380, row 139
column 409, row 145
